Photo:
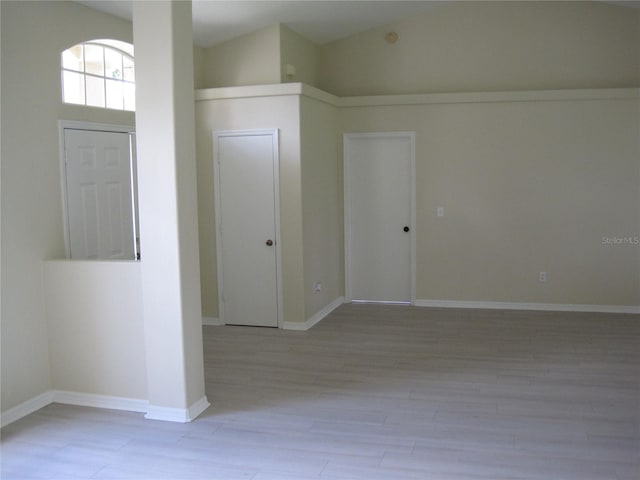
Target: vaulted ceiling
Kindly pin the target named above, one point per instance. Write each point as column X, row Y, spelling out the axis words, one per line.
column 321, row 21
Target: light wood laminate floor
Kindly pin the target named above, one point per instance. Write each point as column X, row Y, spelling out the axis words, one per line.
column 376, row 392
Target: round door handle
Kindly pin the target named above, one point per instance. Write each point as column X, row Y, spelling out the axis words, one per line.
column 406, row 229
column 269, row 243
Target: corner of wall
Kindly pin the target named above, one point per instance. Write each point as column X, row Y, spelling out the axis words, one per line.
column 252, row 59
column 298, row 58
column 198, row 67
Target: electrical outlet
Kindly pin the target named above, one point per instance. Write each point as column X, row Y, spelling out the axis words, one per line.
column 317, row 287
column 542, row 277
column 440, row 211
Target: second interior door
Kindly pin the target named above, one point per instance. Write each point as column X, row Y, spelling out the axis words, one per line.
column 246, row 171
column 379, row 225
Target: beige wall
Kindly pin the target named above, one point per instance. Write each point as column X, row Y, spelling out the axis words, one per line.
column 527, row 186
column 259, row 58
column 322, row 211
column 33, row 36
column 301, row 53
column 198, row 67
column 281, row 112
column 490, row 46
column 530, row 182
column 253, row 59
column 96, row 344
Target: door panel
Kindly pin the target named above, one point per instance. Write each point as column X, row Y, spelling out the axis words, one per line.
column 246, row 222
column 115, row 208
column 378, row 207
column 88, row 237
column 99, row 202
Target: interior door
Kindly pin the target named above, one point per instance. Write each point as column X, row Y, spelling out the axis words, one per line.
column 99, row 199
column 246, row 180
column 379, row 217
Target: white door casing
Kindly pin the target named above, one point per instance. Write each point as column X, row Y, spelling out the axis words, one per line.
column 246, row 183
column 98, row 200
column 379, row 183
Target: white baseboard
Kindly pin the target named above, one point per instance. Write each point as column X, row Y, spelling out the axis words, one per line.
column 213, row 321
column 197, row 408
column 26, row 408
column 310, row 322
column 180, row 415
column 73, row 398
column 100, row 401
column 550, row 307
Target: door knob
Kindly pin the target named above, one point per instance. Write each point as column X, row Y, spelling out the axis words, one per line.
column 406, row 229
column 269, row 242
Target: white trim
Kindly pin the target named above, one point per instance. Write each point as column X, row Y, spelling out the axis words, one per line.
column 94, row 127
column 180, row 415
column 310, row 322
column 275, row 138
column 378, row 302
column 197, row 408
column 414, row 223
column 110, row 402
column 549, row 307
column 490, row 97
column 100, row 401
column 73, row 398
column 216, row 220
column 249, row 91
column 274, row 133
column 26, row 408
column 411, row 136
column 320, row 95
column 284, row 89
column 212, row 321
column 274, row 90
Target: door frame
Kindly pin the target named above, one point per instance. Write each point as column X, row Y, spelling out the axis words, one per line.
column 274, row 133
column 347, row 137
column 62, row 153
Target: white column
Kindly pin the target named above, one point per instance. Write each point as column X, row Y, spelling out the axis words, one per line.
column 165, row 134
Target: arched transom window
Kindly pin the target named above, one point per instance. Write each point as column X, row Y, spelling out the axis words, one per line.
column 99, row 73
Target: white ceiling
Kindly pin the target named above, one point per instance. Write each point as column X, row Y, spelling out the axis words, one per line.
column 321, row 21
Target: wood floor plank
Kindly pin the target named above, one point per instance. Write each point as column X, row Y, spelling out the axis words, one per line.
column 376, row 392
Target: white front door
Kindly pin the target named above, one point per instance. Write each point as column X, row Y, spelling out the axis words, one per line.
column 99, row 199
column 246, row 181
column 379, row 216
